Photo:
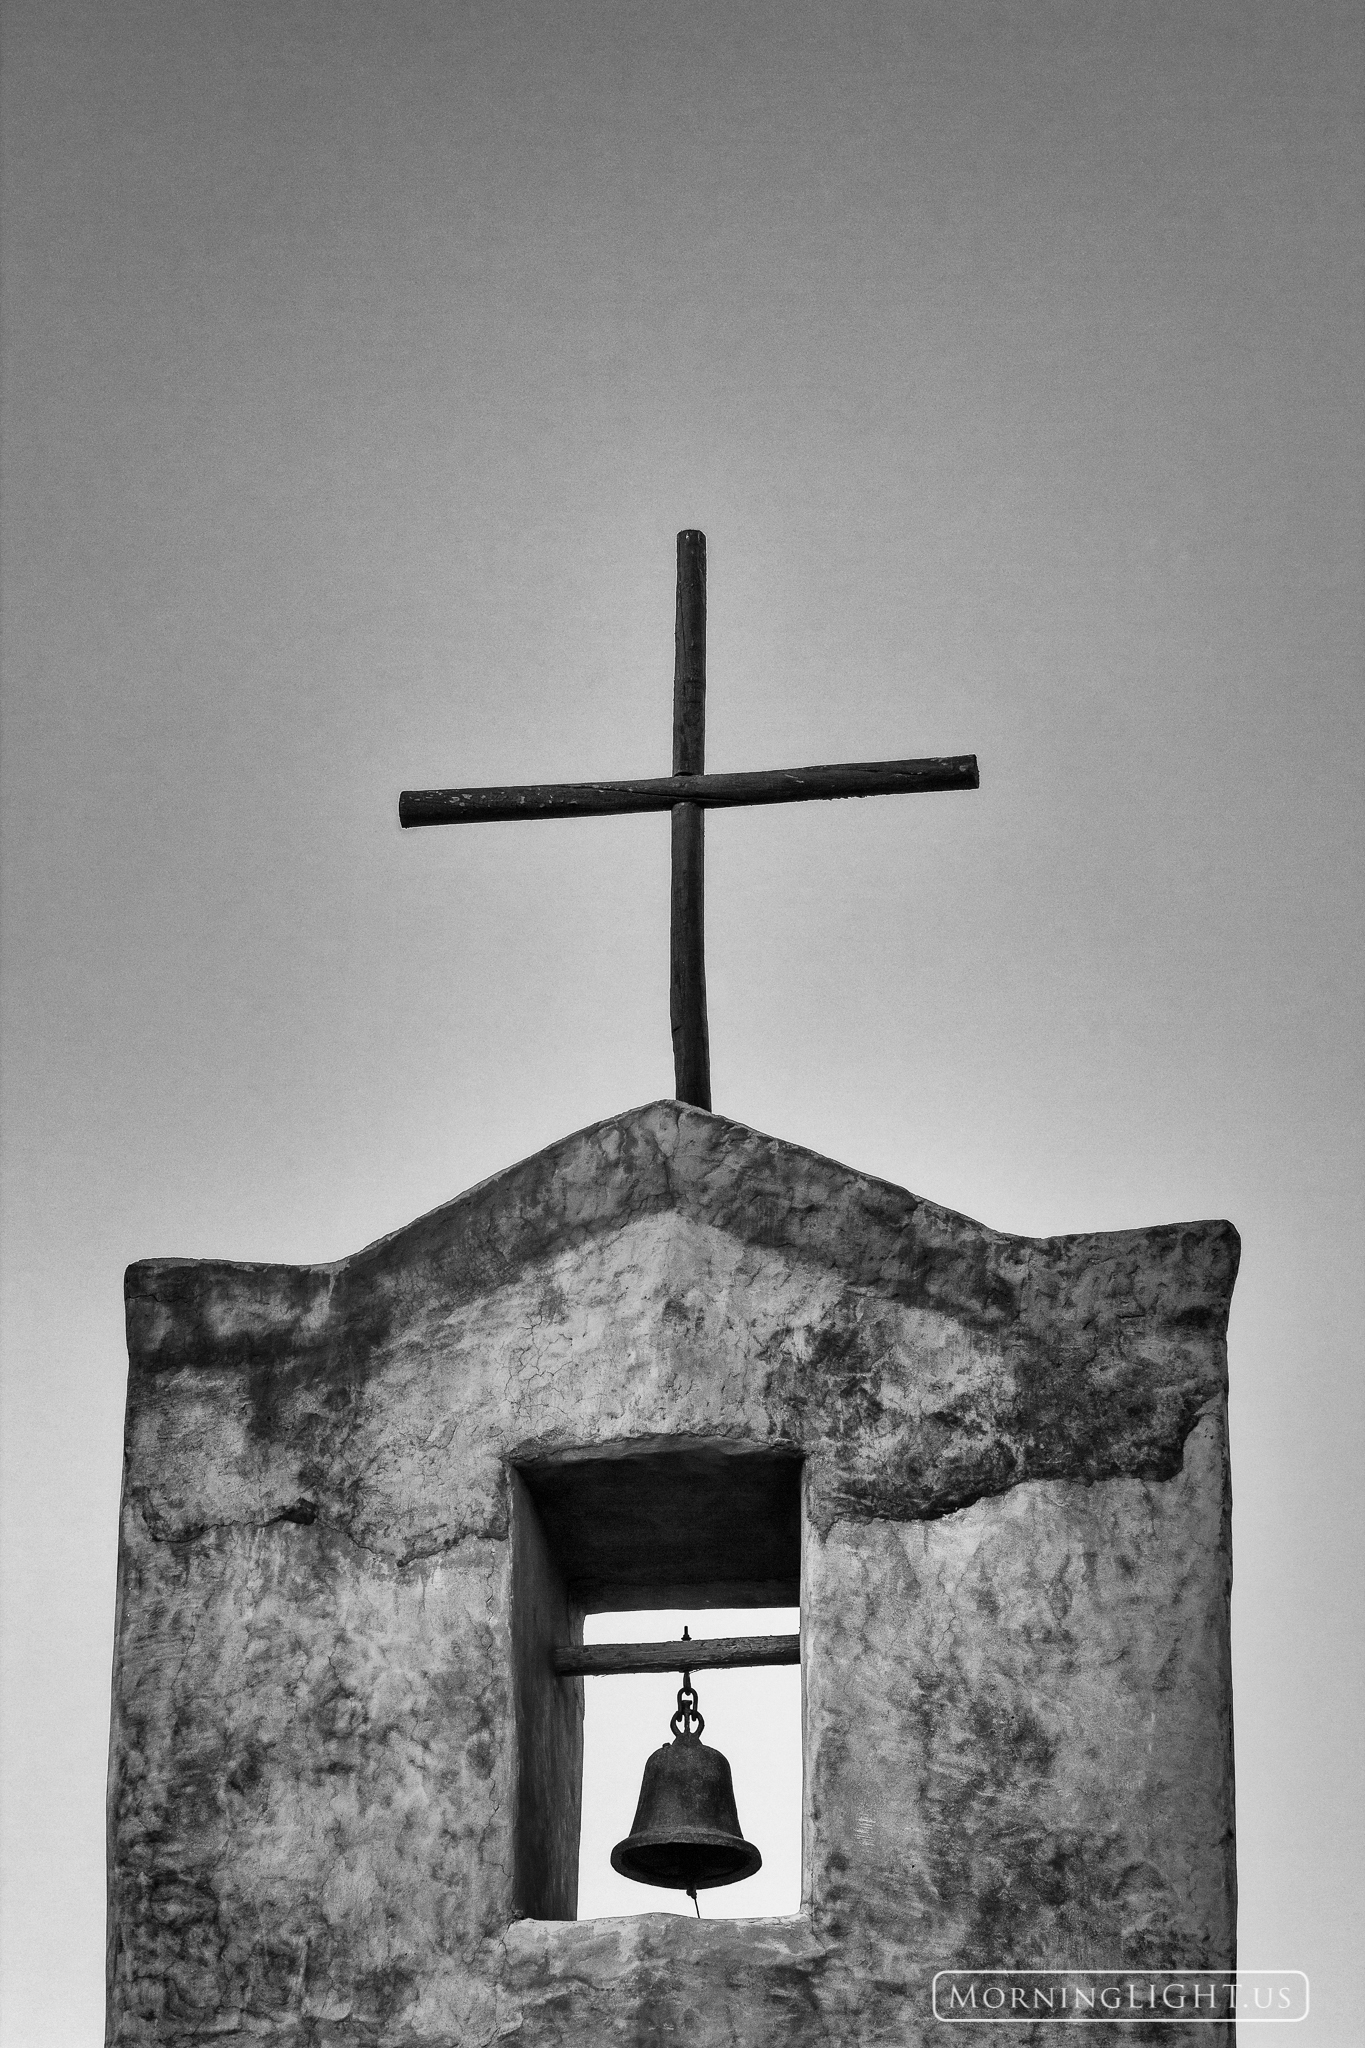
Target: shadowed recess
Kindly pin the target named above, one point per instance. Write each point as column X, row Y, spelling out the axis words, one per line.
column 707, row 1525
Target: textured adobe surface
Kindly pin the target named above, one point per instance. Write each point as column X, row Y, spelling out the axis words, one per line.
column 1015, row 1581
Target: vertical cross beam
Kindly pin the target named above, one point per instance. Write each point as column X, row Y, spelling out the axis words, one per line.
column 687, row 954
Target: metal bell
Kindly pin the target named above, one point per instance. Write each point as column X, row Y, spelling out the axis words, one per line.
column 686, row 1833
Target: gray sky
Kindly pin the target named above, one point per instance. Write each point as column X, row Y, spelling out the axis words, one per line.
column 362, row 363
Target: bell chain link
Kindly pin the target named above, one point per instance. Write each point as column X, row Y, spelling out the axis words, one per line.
column 681, row 1723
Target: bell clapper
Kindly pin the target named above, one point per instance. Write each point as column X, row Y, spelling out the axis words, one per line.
column 692, row 1894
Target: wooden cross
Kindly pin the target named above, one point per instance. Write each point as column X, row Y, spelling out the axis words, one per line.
column 688, row 792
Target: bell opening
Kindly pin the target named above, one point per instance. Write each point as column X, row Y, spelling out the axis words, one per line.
column 686, row 1866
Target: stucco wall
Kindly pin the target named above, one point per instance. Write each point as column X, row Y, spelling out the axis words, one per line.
column 1015, row 1565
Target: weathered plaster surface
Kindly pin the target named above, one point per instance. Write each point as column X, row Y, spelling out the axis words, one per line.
column 1018, row 1741
column 1028, row 1767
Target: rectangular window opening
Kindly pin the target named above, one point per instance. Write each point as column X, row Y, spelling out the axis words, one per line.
column 625, row 1546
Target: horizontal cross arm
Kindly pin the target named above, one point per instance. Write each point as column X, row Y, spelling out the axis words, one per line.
column 661, row 792
column 720, row 1653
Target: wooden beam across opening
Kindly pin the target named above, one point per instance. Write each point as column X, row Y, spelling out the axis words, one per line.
column 707, row 792
column 719, row 1653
